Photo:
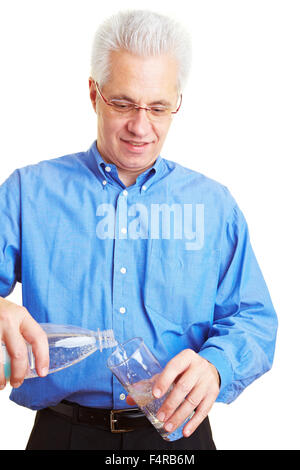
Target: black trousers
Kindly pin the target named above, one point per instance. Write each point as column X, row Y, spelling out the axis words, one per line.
column 52, row 431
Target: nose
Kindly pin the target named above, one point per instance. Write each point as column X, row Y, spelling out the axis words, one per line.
column 139, row 123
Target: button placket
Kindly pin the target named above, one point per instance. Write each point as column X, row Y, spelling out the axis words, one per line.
column 124, row 247
column 120, row 306
column 119, row 270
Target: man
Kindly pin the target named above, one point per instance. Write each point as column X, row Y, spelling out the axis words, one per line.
column 118, row 237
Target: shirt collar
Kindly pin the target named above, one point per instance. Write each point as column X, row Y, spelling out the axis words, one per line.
column 109, row 174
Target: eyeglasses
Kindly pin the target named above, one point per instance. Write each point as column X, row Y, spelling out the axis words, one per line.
column 127, row 107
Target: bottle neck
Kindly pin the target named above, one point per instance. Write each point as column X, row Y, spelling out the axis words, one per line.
column 106, row 339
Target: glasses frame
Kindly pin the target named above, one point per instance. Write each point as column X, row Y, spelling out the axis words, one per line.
column 136, row 106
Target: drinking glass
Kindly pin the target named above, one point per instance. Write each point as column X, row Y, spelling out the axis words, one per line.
column 137, row 369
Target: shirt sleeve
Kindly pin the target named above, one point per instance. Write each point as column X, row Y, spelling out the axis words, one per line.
column 242, row 338
column 10, row 265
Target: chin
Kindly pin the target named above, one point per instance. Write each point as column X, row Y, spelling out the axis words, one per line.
column 135, row 162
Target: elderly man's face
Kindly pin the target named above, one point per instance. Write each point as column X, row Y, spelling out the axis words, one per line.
column 133, row 142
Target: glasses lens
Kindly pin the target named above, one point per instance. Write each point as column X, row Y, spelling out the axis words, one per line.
column 159, row 111
column 122, row 106
column 125, row 107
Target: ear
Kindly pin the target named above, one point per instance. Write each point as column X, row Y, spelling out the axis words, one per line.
column 93, row 93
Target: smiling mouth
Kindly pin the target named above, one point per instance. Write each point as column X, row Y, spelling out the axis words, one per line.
column 135, row 144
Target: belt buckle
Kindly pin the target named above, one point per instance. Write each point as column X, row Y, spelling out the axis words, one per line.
column 113, row 421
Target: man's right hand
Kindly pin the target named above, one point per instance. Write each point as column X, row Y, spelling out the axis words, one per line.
column 16, row 326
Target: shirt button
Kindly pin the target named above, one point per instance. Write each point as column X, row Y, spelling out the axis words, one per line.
column 123, row 270
column 122, row 310
column 104, row 182
column 107, row 168
column 122, row 396
column 125, row 193
column 124, row 230
column 144, row 188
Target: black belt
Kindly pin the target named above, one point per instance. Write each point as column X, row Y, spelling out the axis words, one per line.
column 113, row 420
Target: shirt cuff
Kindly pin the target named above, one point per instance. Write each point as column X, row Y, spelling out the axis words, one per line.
column 218, row 359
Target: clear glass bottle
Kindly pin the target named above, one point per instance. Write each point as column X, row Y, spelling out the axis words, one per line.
column 68, row 345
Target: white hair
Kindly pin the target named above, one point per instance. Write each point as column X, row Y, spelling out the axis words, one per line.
column 143, row 33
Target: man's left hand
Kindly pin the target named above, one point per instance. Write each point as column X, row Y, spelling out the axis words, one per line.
column 196, row 387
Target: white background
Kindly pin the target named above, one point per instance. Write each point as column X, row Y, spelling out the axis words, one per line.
column 239, row 124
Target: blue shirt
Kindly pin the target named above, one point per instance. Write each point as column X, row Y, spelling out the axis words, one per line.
column 168, row 259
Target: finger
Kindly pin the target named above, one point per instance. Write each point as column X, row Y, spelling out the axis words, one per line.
column 17, row 351
column 180, row 390
column 201, row 413
column 36, row 336
column 174, row 367
column 183, row 412
column 2, row 371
